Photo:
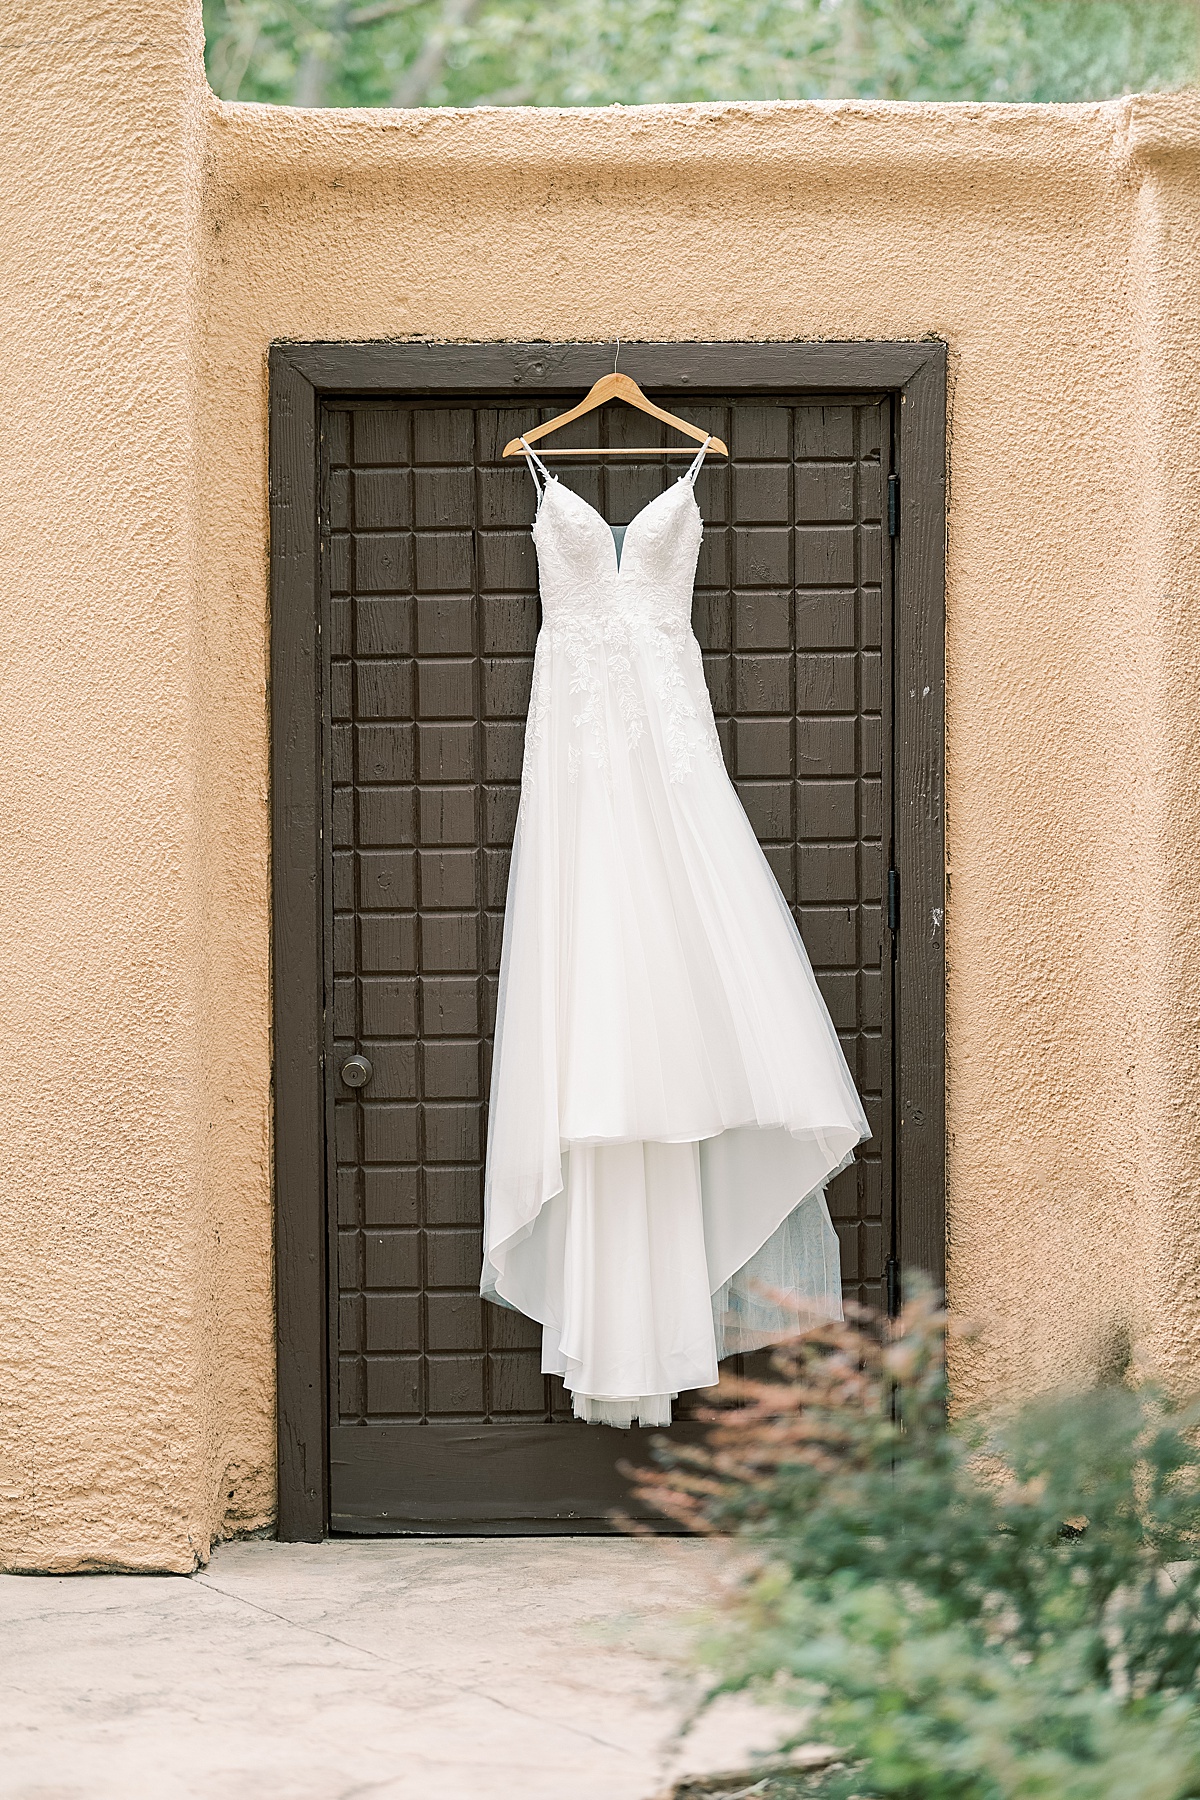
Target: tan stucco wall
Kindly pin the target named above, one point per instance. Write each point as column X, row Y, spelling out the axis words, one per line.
column 152, row 244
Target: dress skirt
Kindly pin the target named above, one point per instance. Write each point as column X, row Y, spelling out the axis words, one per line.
column 669, row 1097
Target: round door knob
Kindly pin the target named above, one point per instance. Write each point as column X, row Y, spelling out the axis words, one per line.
column 356, row 1072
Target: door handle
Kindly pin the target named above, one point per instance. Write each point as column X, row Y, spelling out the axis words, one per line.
column 356, row 1072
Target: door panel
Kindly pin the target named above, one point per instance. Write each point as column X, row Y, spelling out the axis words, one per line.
column 440, row 1416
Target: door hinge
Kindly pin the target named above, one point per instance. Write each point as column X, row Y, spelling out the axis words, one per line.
column 892, row 1272
column 893, row 900
column 893, row 506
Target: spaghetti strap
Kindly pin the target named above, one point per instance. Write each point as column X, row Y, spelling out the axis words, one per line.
column 700, row 455
column 536, row 464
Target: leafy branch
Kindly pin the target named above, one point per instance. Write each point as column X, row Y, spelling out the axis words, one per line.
column 594, row 52
column 995, row 1610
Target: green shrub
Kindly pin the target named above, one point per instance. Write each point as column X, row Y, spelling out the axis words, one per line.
column 968, row 1612
column 595, row 52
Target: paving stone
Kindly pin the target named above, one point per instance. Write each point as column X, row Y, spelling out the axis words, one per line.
column 465, row 1669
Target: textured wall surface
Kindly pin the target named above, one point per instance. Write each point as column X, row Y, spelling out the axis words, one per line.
column 154, row 243
column 106, row 1396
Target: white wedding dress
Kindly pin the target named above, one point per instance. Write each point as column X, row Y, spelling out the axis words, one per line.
column 669, row 1097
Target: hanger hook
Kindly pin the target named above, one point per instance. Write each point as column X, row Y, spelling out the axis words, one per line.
column 616, row 354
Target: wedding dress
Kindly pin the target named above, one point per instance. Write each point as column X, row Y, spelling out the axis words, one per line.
column 669, row 1098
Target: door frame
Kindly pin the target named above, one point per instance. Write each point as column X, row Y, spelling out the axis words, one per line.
column 302, row 376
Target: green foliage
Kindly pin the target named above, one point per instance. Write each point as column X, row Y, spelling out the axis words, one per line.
column 996, row 1614
column 594, row 52
column 927, row 1712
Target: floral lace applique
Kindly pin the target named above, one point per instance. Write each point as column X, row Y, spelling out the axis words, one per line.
column 629, row 659
column 616, row 651
column 599, row 650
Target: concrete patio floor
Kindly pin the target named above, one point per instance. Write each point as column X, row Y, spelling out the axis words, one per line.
column 465, row 1669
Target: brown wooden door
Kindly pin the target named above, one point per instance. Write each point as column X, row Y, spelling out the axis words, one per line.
column 402, row 627
column 442, row 1416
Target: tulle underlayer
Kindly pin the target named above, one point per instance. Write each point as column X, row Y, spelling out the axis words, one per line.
column 623, row 1267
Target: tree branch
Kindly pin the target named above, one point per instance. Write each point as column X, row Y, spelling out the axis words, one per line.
column 384, row 9
column 416, row 81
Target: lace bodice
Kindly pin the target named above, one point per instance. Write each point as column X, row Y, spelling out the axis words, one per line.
column 616, row 631
column 578, row 567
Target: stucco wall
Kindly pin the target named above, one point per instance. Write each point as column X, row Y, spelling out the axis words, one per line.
column 106, row 1450
column 154, row 243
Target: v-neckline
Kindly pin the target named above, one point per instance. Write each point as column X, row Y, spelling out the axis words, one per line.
column 619, row 555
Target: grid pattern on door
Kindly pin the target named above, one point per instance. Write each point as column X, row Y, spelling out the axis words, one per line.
column 432, row 617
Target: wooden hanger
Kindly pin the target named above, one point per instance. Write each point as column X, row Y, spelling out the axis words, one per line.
column 617, row 387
